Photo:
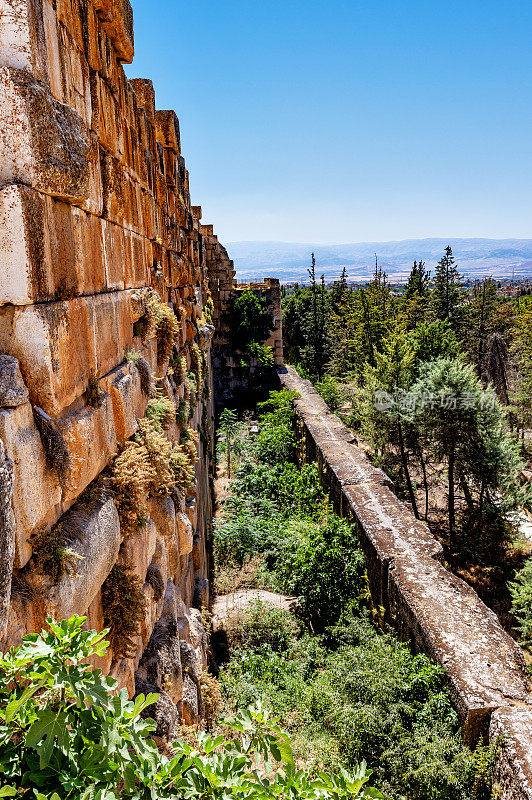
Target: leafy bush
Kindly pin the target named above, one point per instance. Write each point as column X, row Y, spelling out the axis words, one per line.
column 261, row 623
column 66, row 733
column 322, row 564
column 331, row 392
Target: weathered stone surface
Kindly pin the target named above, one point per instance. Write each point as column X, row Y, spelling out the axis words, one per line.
column 512, row 727
column 167, row 130
column 36, row 489
column 43, row 143
column 444, row 617
column 129, row 403
column 91, row 441
column 41, row 337
column 185, row 534
column 13, row 391
column 94, row 203
column 94, row 536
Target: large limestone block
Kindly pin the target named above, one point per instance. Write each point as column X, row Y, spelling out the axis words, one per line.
column 59, row 345
column 22, row 37
column 91, row 441
column 117, row 18
column 36, row 489
column 162, row 512
column 43, row 143
column 37, row 246
column 167, row 130
column 145, row 96
column 91, row 272
column 107, row 120
column 129, row 403
column 137, row 550
column 94, row 537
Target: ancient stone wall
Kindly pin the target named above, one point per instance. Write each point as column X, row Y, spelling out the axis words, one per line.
column 233, row 370
column 438, row 612
column 105, row 313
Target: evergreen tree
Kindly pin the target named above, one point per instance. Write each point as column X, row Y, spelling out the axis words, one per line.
column 463, row 425
column 383, row 419
column 446, row 295
column 418, row 281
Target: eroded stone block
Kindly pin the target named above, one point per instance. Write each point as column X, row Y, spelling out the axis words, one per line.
column 91, row 441
column 13, row 391
column 59, row 345
column 512, row 726
column 94, row 536
column 36, row 489
column 43, row 143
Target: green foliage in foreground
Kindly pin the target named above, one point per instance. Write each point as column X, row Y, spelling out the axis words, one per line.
column 359, row 694
column 67, row 733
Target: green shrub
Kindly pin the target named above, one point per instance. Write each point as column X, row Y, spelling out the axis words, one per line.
column 521, row 591
column 331, row 392
column 68, row 733
column 161, row 411
column 261, row 623
column 322, row 564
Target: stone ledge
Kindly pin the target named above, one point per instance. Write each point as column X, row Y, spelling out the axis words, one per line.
column 436, row 610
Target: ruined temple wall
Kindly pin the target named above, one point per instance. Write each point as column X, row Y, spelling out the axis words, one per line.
column 94, row 214
column 231, row 378
column 438, row 612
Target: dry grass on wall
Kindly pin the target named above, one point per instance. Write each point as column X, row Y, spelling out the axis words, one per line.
column 124, row 609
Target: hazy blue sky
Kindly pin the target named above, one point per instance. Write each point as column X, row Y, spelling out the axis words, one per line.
column 348, row 121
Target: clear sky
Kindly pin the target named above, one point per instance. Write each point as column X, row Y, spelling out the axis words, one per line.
column 345, row 121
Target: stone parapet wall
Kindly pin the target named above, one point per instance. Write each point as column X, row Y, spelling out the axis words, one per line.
column 438, row 612
column 95, row 217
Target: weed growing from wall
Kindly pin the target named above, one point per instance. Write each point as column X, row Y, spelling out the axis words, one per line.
column 133, row 474
column 161, row 411
column 51, row 554
column 54, row 444
column 144, row 370
column 182, row 413
column 197, row 366
column 124, row 609
column 95, row 396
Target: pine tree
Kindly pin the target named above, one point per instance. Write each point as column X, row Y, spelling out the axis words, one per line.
column 446, row 296
column 384, row 425
column 418, row 281
column 463, row 425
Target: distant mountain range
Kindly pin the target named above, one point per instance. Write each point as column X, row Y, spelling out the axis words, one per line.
column 288, row 261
